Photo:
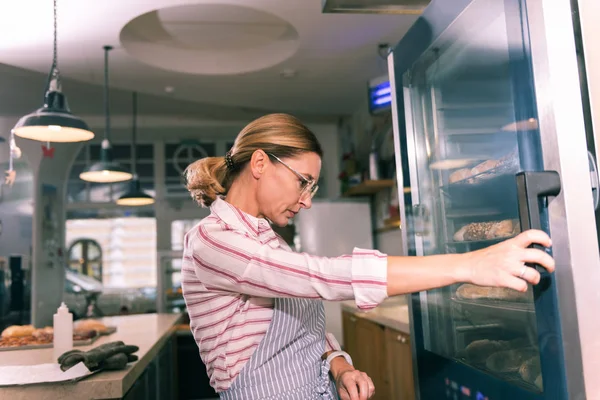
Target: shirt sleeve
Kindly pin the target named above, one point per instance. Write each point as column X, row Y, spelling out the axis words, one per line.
column 235, row 262
column 331, row 343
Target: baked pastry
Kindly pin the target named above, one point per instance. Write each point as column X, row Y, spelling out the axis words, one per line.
column 487, row 230
column 478, row 231
column 459, row 236
column 459, row 175
column 20, row 341
column 91, row 325
column 43, row 333
column 468, row 291
column 82, row 334
column 502, row 229
column 531, row 369
column 18, row 331
column 478, row 351
column 509, row 360
column 484, row 166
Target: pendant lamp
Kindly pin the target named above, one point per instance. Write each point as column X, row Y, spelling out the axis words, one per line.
column 136, row 196
column 54, row 121
column 106, row 170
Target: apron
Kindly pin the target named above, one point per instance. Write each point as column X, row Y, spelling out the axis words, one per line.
column 287, row 363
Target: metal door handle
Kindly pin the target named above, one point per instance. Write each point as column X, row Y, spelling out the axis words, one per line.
column 401, row 339
column 352, row 319
column 531, row 188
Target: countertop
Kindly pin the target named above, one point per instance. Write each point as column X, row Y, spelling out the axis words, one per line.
column 392, row 313
column 147, row 331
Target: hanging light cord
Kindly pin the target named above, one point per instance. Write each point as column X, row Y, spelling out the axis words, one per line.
column 53, row 83
column 106, row 100
column 134, row 136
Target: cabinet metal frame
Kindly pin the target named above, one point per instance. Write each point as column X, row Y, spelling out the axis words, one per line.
column 560, row 112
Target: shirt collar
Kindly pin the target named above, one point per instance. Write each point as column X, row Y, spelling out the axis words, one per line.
column 233, row 216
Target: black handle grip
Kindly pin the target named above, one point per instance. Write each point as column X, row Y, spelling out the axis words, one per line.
column 531, row 188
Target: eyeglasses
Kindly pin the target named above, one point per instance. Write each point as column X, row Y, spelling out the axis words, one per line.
column 308, row 186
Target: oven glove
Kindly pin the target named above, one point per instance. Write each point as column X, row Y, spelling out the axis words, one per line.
column 111, row 356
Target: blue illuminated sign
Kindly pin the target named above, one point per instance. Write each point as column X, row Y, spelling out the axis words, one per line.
column 380, row 95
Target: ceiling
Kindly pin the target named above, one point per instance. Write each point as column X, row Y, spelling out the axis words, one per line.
column 229, row 55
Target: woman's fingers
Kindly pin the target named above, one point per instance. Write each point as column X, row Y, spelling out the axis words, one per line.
column 533, row 236
column 529, row 274
column 356, row 385
column 363, row 386
column 371, row 387
column 515, row 283
column 351, row 388
column 536, row 256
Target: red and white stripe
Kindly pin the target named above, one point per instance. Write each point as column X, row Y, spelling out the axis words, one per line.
column 234, row 265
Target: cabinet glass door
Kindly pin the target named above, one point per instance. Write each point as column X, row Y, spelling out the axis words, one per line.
column 470, row 108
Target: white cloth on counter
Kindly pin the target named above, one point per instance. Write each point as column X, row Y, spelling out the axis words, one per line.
column 41, row 373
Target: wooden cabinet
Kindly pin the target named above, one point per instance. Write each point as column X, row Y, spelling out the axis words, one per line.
column 384, row 354
column 399, row 365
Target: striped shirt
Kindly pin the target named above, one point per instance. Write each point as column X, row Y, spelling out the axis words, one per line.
column 234, row 264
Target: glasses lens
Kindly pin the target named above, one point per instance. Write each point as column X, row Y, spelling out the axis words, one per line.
column 313, row 190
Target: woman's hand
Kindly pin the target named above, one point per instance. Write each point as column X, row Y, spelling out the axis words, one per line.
column 504, row 263
column 353, row 384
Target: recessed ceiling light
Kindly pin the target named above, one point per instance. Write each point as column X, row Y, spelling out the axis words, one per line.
column 169, row 89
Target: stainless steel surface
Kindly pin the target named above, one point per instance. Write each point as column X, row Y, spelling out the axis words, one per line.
column 589, row 15
column 398, row 153
column 572, row 221
column 396, row 88
column 414, row 189
column 411, row 7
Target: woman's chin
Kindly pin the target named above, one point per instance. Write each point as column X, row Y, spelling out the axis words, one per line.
column 281, row 221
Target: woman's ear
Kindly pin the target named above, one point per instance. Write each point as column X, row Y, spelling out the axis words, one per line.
column 259, row 163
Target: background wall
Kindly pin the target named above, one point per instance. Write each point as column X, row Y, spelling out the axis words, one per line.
column 40, row 230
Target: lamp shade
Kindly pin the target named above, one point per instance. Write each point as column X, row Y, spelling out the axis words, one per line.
column 53, row 122
column 136, row 196
column 105, row 170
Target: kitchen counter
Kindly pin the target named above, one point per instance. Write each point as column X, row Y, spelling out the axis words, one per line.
column 150, row 332
column 392, row 313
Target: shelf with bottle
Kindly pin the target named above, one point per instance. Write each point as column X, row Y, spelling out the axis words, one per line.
column 368, row 187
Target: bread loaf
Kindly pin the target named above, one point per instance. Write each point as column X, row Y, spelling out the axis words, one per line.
column 478, row 351
column 459, row 175
column 487, row 230
column 18, row 331
column 484, row 166
column 531, row 369
column 509, row 360
column 43, row 332
column 90, row 324
column 478, row 230
column 502, row 229
column 469, row 291
column 459, row 236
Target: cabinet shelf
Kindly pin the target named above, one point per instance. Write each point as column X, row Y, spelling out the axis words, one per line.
column 368, row 188
column 390, row 224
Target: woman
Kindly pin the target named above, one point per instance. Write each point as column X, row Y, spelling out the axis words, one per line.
column 255, row 306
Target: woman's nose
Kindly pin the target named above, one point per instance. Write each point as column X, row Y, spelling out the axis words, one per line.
column 305, row 201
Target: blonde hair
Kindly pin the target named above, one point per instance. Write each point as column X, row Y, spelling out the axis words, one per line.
column 282, row 135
